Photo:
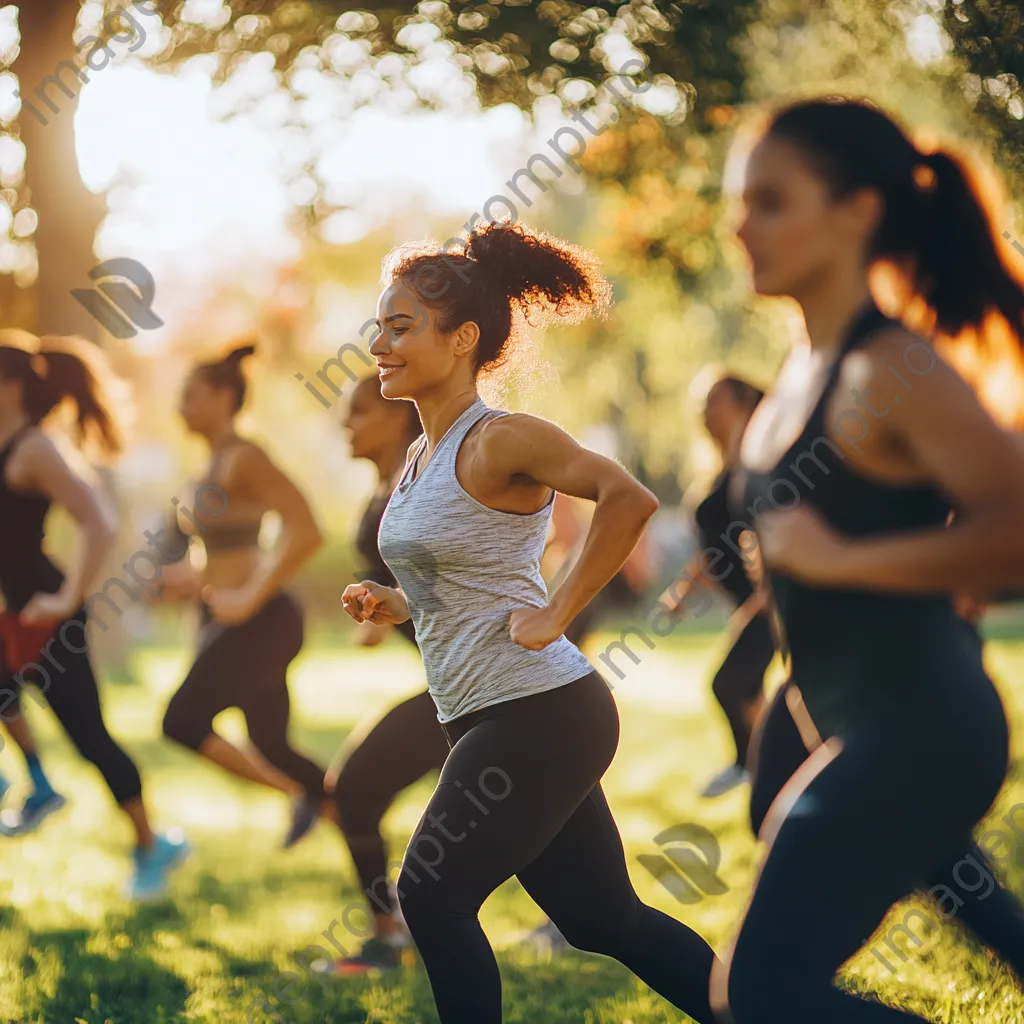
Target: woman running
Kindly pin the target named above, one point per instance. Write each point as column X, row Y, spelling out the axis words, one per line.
column 739, row 683
column 861, row 563
column 251, row 627
column 381, row 759
column 532, row 726
column 43, row 604
column 387, row 755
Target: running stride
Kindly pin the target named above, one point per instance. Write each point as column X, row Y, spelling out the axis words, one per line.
column 531, row 725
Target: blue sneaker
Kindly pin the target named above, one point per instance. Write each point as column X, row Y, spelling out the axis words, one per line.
column 34, row 811
column 153, row 866
column 305, row 813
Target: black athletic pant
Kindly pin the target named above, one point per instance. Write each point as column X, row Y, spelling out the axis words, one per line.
column 376, row 766
column 840, row 860
column 245, row 666
column 71, row 691
column 741, row 678
column 520, row 795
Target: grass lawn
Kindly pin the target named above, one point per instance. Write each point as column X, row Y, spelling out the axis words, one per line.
column 72, row 949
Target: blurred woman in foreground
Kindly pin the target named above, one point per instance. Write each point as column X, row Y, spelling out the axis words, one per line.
column 860, row 560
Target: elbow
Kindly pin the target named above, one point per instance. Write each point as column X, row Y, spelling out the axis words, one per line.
column 645, row 502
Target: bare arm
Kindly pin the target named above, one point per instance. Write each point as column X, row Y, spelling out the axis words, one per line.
column 41, row 467
column 300, row 534
column 517, row 447
column 962, row 451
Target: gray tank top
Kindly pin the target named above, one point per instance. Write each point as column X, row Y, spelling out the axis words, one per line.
column 464, row 568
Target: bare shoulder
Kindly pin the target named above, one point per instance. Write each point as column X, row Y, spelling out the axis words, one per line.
column 510, row 440
column 246, row 457
column 517, row 430
column 35, row 451
column 896, row 356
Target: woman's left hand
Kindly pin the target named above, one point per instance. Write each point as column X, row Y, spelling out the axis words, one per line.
column 231, row 606
column 534, row 628
column 800, row 543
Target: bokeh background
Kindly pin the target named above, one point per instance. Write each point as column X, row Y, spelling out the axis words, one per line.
column 260, row 158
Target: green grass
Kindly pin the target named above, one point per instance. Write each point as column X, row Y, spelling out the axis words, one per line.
column 72, row 949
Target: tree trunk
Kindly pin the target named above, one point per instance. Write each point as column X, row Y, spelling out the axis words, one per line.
column 69, row 214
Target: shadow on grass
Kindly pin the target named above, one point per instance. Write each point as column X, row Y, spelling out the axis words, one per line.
column 93, row 988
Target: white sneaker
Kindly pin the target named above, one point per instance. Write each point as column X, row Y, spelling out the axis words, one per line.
column 726, row 780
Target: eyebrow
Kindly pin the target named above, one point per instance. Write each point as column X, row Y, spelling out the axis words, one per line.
column 391, row 317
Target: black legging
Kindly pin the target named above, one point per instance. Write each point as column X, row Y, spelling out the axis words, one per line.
column 377, row 763
column 375, row 766
column 74, row 697
column 520, row 795
column 245, row 666
column 741, row 678
column 778, row 751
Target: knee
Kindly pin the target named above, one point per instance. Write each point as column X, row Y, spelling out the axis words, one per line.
column 358, row 812
column 721, row 688
column 179, row 726
column 419, row 899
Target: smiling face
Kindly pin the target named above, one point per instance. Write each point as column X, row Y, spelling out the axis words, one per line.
column 796, row 233
column 414, row 357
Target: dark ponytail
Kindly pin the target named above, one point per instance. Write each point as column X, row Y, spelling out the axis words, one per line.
column 960, row 273
column 937, row 223
column 228, row 373
column 54, row 371
column 507, row 278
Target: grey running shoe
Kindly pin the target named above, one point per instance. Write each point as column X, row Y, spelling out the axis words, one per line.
column 726, row 780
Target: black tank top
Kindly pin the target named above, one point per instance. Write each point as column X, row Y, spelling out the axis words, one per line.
column 24, row 569
column 374, row 566
column 713, row 522
column 851, row 649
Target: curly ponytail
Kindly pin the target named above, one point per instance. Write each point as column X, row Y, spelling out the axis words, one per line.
column 508, row 278
column 56, row 371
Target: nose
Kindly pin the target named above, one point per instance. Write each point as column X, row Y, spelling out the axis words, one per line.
column 380, row 345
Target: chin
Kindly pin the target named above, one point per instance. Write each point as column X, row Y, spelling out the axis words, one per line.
column 391, row 389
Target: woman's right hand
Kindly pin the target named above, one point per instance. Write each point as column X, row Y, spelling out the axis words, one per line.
column 371, row 602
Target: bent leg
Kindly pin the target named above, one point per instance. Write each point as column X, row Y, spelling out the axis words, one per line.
column 844, row 830
column 371, row 769
column 582, row 883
